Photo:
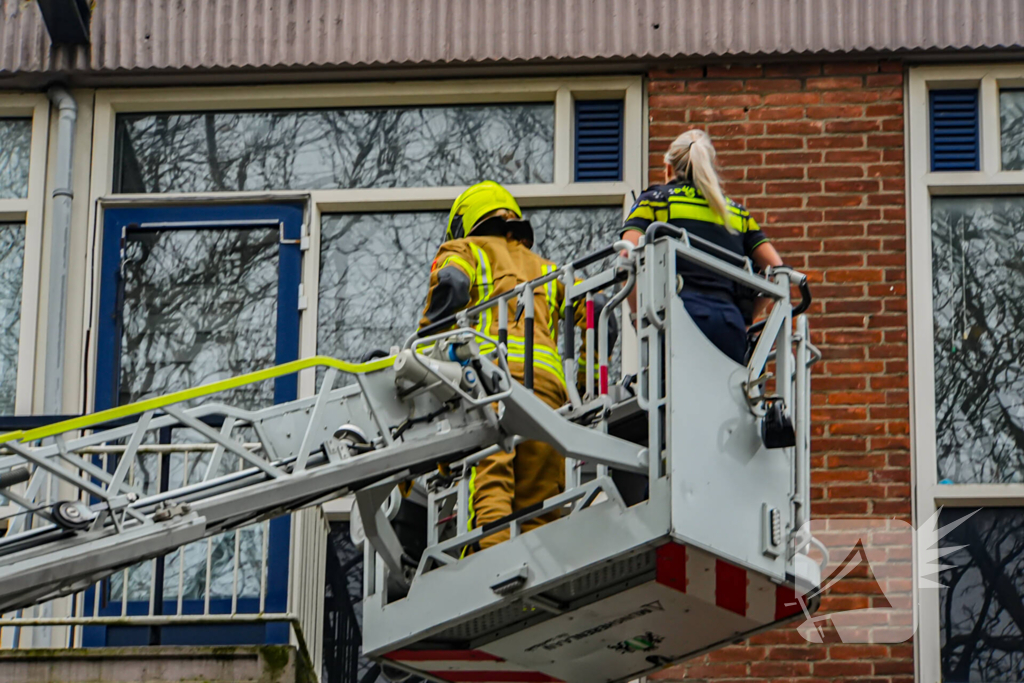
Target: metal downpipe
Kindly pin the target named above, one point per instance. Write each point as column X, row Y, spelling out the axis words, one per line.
column 56, row 317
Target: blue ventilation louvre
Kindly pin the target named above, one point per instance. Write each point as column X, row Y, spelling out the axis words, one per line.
column 598, row 140
column 954, row 118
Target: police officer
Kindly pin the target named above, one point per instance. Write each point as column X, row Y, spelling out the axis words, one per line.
column 692, row 199
column 487, row 252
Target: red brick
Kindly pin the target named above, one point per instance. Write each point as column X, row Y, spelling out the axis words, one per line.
column 864, row 186
column 733, row 100
column 894, row 109
column 657, row 102
column 853, row 156
column 884, row 80
column 827, row 200
column 797, row 653
column 855, row 397
column 835, row 172
column 856, row 428
column 844, row 68
column 735, row 71
column 709, row 86
column 741, row 159
column 717, row 114
column 788, row 99
column 776, row 173
column 839, row 507
column 791, row 158
column 860, row 651
column 851, row 97
column 828, row 476
column 886, row 140
column 776, row 113
column 734, row 129
column 851, row 214
column 766, row 85
column 780, row 669
column 793, row 128
column 892, row 154
column 795, row 188
column 855, row 126
column 835, row 83
column 868, row 306
column 775, row 143
column 847, row 111
column 829, row 260
column 836, row 142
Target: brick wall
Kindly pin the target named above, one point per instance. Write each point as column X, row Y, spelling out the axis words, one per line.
column 815, row 151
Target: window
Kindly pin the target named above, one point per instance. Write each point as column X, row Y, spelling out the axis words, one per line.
column 981, row 621
column 339, row 148
column 15, row 146
column 12, row 260
column 1011, row 119
column 966, row 237
column 23, row 129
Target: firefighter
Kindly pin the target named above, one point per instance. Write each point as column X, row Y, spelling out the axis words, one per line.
column 487, row 252
column 692, row 199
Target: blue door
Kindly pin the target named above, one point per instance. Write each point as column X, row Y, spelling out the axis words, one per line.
column 190, row 295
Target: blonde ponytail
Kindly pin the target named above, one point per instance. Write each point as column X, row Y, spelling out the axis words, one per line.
column 693, row 156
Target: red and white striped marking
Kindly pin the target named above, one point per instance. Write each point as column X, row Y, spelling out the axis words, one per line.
column 467, row 666
column 727, row 586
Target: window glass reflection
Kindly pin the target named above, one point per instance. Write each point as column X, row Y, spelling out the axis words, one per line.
column 199, row 306
column 1011, row 119
column 12, row 257
column 15, row 148
column 981, row 612
column 341, row 148
column 978, row 292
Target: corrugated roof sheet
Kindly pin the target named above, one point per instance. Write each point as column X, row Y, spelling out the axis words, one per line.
column 213, row 34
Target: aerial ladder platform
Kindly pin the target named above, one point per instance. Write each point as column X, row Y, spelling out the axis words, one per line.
column 683, row 526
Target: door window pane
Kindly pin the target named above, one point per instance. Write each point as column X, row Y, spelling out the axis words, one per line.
column 978, row 291
column 15, row 147
column 1011, row 119
column 199, row 306
column 375, row 268
column 12, row 257
column 340, row 148
column 981, row 612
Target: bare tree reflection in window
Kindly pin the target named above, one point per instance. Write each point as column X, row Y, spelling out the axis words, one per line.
column 15, row 150
column 982, row 612
column 978, row 290
column 12, row 257
column 346, row 148
column 1011, row 120
column 199, row 306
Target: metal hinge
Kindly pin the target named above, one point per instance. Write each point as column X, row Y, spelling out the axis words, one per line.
column 302, row 241
column 303, row 300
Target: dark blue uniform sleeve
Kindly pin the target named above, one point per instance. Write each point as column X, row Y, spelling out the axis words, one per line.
column 651, row 206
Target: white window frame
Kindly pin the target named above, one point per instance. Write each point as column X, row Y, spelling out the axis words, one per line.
column 562, row 191
column 922, row 185
column 28, row 210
